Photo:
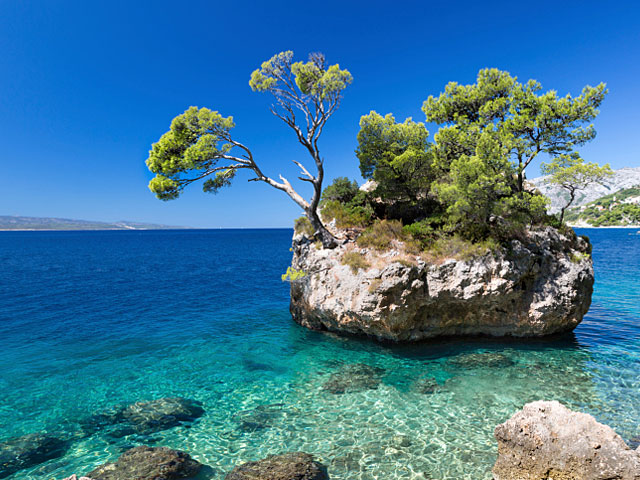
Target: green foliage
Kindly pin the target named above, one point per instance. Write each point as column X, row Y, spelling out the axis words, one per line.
column 303, row 225
column 396, row 156
column 341, row 190
column 197, row 139
column 578, row 257
column 571, row 173
column 293, row 274
column 382, row 234
column 356, row 261
column 346, row 216
column 313, row 78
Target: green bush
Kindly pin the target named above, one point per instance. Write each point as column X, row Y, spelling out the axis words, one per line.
column 303, row 225
column 355, row 261
column 459, row 248
column 381, row 234
column 346, row 216
column 341, row 190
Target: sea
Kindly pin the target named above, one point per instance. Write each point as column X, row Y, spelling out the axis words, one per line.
column 93, row 320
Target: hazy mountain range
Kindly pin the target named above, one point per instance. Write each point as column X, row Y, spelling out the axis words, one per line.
column 8, row 222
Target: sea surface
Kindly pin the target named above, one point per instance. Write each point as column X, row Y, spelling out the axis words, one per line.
column 90, row 320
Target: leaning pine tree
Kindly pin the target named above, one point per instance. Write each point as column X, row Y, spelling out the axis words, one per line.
column 199, row 143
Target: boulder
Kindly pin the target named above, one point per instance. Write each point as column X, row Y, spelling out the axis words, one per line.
column 161, row 414
column 354, row 377
column 546, row 440
column 288, row 466
column 29, row 450
column 538, row 285
column 148, row 463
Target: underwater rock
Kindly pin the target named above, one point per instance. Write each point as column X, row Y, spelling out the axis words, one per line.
column 425, row 385
column 28, row 450
column 148, row 463
column 75, row 477
column 161, row 414
column 539, row 285
column 546, row 440
column 261, row 417
column 288, row 466
column 481, row 360
column 354, row 377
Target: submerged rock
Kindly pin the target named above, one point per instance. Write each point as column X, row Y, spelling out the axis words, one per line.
column 161, row 414
column 75, row 477
column 481, row 360
column 546, row 440
column 148, row 463
column 538, row 286
column 425, row 385
column 261, row 417
column 354, row 377
column 288, row 466
column 28, row 450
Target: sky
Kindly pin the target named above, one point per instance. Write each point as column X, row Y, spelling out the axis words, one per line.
column 87, row 87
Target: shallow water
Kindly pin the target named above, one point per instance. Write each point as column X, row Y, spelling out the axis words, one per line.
column 94, row 319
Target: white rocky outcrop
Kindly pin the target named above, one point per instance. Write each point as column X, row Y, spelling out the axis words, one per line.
column 546, row 440
column 537, row 286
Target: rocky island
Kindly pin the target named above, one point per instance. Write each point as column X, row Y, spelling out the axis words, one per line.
column 538, row 285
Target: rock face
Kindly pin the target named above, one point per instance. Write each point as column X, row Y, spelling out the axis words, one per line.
column 539, row 286
column 288, row 466
column 29, row 450
column 146, row 463
column 546, row 441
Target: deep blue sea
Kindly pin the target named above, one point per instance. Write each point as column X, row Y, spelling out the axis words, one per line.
column 89, row 320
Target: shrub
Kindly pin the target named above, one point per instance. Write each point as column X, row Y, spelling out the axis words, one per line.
column 347, row 216
column 292, row 274
column 341, row 190
column 460, row 249
column 375, row 283
column 303, row 225
column 577, row 257
column 355, row 261
column 381, row 234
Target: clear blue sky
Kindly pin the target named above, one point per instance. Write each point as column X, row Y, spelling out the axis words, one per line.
column 87, row 86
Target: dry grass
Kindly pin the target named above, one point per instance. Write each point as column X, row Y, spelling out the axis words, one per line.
column 356, row 261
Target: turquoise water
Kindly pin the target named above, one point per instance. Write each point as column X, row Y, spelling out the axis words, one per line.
column 94, row 319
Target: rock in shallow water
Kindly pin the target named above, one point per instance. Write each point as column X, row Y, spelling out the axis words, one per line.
column 481, row 360
column 148, row 463
column 354, row 377
column 29, row 450
column 540, row 285
column 546, row 440
column 161, row 414
column 144, row 417
column 288, row 466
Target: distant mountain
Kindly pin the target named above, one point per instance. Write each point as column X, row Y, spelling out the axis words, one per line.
column 622, row 179
column 618, row 209
column 37, row 223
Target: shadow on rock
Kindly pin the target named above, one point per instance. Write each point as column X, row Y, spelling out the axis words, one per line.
column 354, row 377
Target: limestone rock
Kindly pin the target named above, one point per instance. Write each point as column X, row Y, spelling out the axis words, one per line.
column 538, row 286
column 29, row 450
column 546, row 440
column 288, row 466
column 147, row 463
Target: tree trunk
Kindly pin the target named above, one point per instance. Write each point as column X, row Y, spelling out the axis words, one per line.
column 325, row 236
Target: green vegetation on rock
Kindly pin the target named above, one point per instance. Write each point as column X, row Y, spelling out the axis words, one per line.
column 464, row 193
